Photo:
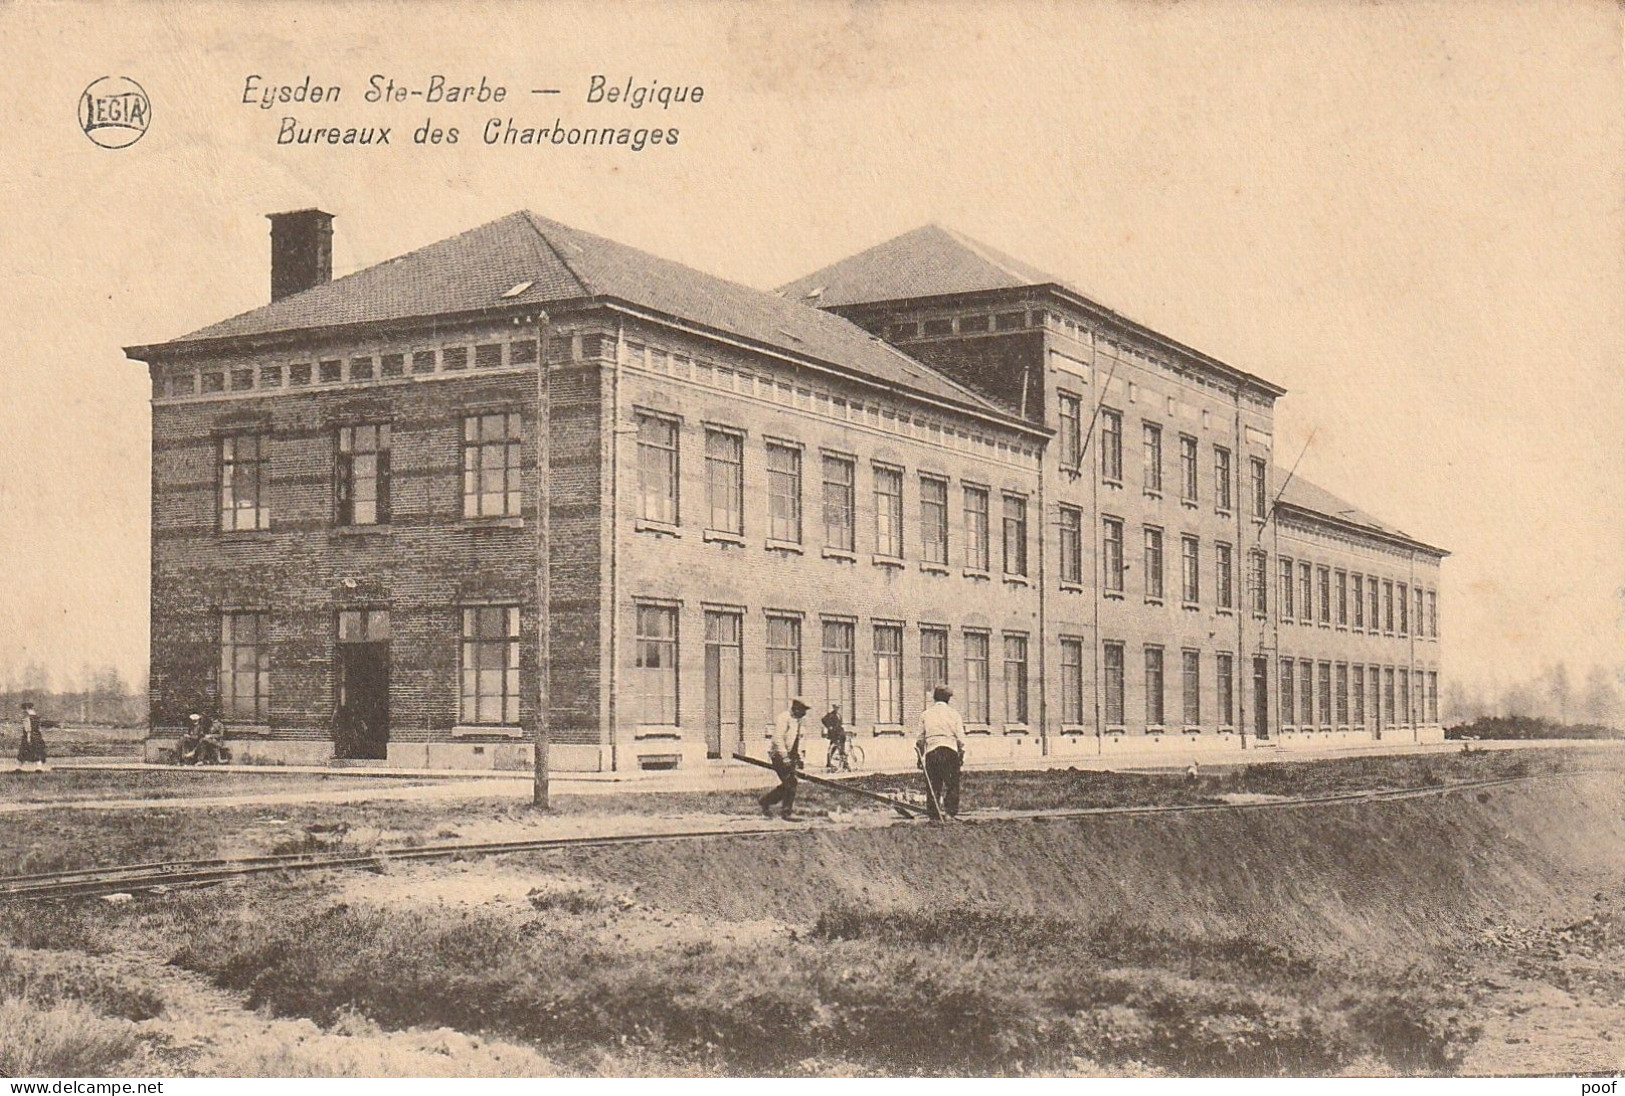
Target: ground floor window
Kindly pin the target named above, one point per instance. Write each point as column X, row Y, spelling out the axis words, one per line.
column 1015, row 679
column 977, row 700
column 656, row 688
column 1289, row 709
column 1154, row 710
column 888, row 674
column 1112, row 657
column 490, row 665
column 1191, row 675
column 245, row 667
column 1072, row 682
column 840, row 668
column 783, row 661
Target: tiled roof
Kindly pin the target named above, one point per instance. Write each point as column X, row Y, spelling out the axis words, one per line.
column 1304, row 495
column 473, row 270
column 928, row 262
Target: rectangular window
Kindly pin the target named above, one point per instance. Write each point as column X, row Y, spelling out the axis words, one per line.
column 245, row 497
column 1072, row 682
column 1404, row 601
column 1374, row 681
column 392, row 365
column 888, row 674
column 245, row 667
column 657, row 469
column 1154, row 710
column 1418, row 625
column 298, row 374
column 361, row 369
column 1433, row 696
column 1372, row 586
column 1357, row 601
column 783, row 661
column 1112, row 554
column 1222, row 485
column 1071, row 545
column 1325, row 693
column 1226, row 664
column 1261, row 582
column 783, row 493
column 1357, row 694
column 1261, row 496
column 1405, row 714
column 1153, row 563
column 1289, row 711
column 1152, row 455
column 489, row 666
column 1071, row 439
column 1111, row 445
column 1306, row 694
column 1323, row 576
column 656, row 688
column 840, row 480
column 1225, row 574
column 1187, row 468
column 1387, row 607
column 1015, row 535
column 840, row 666
column 1433, row 615
column 977, row 688
column 1306, row 591
column 888, row 512
column 1015, row 679
column 1342, row 599
column 1190, row 553
column 725, row 481
column 934, row 520
column 491, row 470
column 331, row 371
column 1342, row 694
column 423, row 361
column 1287, row 596
column 933, row 659
column 363, row 474
column 976, row 543
column 454, row 357
column 1191, row 675
column 1113, row 663
column 488, row 356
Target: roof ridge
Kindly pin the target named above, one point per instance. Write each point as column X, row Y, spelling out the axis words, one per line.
column 531, row 218
column 988, row 254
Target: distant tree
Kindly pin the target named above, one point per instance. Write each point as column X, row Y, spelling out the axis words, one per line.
column 35, row 679
column 1559, row 690
column 1600, row 702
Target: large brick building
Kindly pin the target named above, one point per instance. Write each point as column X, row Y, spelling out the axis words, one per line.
column 396, row 514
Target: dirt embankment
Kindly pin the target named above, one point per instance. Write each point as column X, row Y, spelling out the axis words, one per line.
column 1385, row 879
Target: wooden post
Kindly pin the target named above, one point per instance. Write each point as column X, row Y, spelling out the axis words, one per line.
column 539, row 791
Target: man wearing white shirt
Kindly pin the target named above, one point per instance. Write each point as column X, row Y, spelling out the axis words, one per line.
column 942, row 750
column 784, row 751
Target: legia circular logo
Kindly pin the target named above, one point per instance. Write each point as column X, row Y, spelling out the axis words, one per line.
column 114, row 111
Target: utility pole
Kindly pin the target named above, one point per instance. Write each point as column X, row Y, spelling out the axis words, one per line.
column 539, row 791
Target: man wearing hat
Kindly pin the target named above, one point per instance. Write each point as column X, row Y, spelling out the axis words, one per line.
column 942, row 751
column 784, row 751
column 191, row 743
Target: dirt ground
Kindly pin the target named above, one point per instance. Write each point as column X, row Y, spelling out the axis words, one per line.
column 1509, row 900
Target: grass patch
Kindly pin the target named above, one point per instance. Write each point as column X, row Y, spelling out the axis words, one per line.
column 956, row 991
column 65, row 1039
column 51, row 978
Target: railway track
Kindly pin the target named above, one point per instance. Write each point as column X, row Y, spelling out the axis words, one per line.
column 177, row 874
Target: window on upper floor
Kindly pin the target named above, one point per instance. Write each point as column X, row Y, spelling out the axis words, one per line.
column 491, row 470
column 1260, row 581
column 1306, row 591
column 1111, row 445
column 1261, row 496
column 363, row 474
column 1153, row 563
column 976, row 530
column 934, row 520
column 1190, row 585
column 888, row 512
column 657, row 468
column 1224, row 572
column 1187, row 469
column 1015, row 535
column 1071, row 545
column 1323, row 576
column 725, row 481
column 1151, row 453
column 783, row 493
column 1070, row 441
column 244, row 482
column 1287, row 597
column 840, row 481
column 1223, row 481
column 1111, row 555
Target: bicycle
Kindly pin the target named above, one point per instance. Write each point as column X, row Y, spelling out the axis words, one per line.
column 848, row 754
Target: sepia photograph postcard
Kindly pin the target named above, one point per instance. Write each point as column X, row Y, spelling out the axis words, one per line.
column 867, row 539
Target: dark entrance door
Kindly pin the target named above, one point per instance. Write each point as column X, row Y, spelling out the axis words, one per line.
column 361, row 699
column 1261, row 698
column 723, row 683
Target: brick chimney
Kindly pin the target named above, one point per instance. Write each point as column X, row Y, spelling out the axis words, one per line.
column 301, row 251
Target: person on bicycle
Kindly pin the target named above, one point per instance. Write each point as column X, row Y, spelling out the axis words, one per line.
column 835, row 731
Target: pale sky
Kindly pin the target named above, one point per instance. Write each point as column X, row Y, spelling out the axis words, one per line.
column 1408, row 214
